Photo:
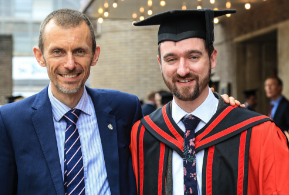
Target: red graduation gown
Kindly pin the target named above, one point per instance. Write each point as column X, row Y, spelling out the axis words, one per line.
column 245, row 153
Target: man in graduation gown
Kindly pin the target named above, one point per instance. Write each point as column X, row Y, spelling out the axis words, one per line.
column 197, row 144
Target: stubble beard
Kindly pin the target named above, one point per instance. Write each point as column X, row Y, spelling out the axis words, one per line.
column 184, row 93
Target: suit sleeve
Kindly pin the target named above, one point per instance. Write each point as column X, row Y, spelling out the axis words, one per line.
column 8, row 171
column 268, row 161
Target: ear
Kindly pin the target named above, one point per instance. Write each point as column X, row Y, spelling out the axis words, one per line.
column 38, row 55
column 95, row 56
column 214, row 59
column 160, row 62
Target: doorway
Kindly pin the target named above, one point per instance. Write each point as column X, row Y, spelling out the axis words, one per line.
column 256, row 60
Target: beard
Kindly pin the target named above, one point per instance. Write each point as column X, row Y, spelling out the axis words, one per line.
column 68, row 90
column 184, row 93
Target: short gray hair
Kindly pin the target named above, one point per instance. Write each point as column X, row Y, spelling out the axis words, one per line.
column 66, row 18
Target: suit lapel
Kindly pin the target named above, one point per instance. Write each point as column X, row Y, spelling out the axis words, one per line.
column 108, row 134
column 44, row 127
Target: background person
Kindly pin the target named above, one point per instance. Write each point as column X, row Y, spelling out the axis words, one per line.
column 279, row 105
column 250, row 99
column 150, row 104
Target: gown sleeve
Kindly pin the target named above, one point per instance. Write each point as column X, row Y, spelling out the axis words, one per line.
column 268, row 172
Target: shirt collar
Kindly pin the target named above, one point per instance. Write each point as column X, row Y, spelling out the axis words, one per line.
column 204, row 112
column 59, row 109
column 276, row 102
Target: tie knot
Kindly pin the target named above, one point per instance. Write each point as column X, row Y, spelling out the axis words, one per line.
column 191, row 122
column 72, row 116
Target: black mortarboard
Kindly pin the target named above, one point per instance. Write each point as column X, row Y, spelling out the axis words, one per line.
column 248, row 93
column 176, row 25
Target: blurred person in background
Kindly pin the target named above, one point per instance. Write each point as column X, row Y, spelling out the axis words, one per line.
column 250, row 99
column 150, row 104
column 166, row 98
column 158, row 98
column 68, row 139
column 279, row 105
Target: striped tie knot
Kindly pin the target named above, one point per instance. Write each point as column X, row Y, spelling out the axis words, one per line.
column 72, row 116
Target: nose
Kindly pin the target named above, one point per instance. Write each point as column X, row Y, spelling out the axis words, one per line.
column 183, row 68
column 70, row 62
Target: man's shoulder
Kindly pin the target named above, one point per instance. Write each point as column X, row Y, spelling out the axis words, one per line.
column 284, row 101
column 110, row 93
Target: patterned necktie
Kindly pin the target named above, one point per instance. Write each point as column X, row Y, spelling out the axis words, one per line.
column 189, row 155
column 73, row 164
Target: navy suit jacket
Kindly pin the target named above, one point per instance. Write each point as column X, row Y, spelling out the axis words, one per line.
column 281, row 117
column 29, row 160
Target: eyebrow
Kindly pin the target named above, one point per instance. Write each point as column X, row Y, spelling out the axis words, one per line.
column 194, row 51
column 169, row 55
column 187, row 53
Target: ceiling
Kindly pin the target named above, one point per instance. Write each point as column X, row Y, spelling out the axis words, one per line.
column 126, row 8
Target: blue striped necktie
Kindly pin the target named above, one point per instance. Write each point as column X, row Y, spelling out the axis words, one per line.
column 73, row 163
column 189, row 155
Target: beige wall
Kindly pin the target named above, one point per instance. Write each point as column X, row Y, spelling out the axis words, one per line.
column 283, row 56
column 127, row 59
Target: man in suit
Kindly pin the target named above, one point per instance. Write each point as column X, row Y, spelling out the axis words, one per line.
column 150, row 104
column 41, row 150
column 279, row 105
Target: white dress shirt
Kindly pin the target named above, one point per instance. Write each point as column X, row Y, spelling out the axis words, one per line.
column 204, row 112
column 95, row 175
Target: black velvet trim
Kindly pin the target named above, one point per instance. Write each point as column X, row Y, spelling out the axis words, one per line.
column 246, row 162
column 236, row 116
column 157, row 118
column 177, row 128
column 160, row 138
column 151, row 164
column 216, row 141
column 218, row 112
column 181, row 36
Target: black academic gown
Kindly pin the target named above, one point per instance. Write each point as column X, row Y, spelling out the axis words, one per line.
column 225, row 139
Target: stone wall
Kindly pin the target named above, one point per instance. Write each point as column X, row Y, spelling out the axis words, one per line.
column 6, row 52
column 283, row 56
column 128, row 59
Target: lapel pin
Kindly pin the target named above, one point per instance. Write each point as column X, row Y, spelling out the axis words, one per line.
column 110, row 127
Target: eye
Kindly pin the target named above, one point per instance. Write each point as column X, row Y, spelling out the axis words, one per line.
column 57, row 52
column 80, row 52
column 194, row 57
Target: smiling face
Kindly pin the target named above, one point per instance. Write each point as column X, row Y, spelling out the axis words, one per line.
column 67, row 56
column 186, row 67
